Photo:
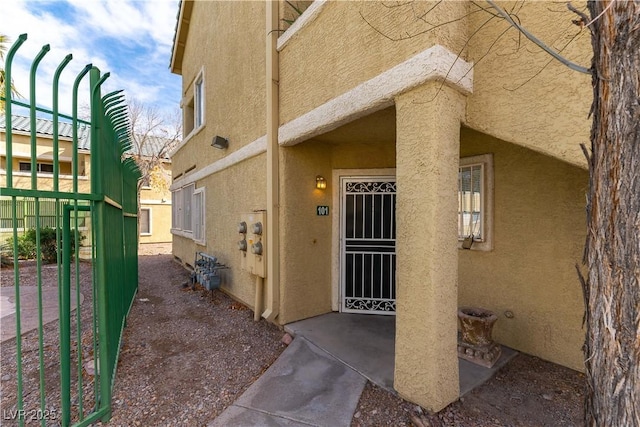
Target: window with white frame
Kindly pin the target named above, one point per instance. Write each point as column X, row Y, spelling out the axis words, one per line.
column 145, row 221
column 198, row 216
column 198, row 101
column 475, row 201
column 187, row 200
column 188, row 212
column 193, row 108
column 176, row 209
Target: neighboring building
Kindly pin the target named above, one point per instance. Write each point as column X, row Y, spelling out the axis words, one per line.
column 155, row 197
column 155, row 201
column 416, row 151
column 21, row 164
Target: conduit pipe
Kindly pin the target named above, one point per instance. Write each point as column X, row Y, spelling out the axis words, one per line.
column 257, row 307
column 273, row 173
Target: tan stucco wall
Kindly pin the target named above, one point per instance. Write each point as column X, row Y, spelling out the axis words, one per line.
column 520, row 94
column 234, row 109
column 305, row 263
column 539, row 229
column 340, row 50
column 306, row 243
column 519, row 99
column 228, row 194
column 22, row 153
column 160, row 223
column 428, row 134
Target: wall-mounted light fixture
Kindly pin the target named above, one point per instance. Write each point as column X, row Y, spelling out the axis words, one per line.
column 220, row 142
column 321, row 183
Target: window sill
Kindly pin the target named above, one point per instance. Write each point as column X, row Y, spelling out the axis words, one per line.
column 481, row 246
column 187, row 138
column 44, row 175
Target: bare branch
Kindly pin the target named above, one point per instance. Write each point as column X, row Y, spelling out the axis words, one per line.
column 537, row 41
column 544, row 66
column 409, row 36
column 583, row 16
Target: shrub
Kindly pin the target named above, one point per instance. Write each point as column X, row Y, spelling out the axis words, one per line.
column 48, row 246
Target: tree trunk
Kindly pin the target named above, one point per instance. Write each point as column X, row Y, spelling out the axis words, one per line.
column 612, row 348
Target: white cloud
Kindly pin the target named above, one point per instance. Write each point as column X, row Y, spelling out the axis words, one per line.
column 130, row 39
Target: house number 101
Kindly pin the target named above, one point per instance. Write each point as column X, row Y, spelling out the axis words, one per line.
column 322, row 210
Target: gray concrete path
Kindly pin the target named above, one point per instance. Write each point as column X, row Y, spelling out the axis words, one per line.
column 28, row 309
column 318, row 379
column 354, row 338
column 305, row 387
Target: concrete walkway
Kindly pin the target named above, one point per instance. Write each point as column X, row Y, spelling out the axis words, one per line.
column 304, row 387
column 318, row 379
column 28, row 309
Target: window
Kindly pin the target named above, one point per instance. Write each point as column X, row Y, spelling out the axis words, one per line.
column 176, row 209
column 475, row 200
column 188, row 213
column 187, row 200
column 198, row 215
column 193, row 110
column 198, row 100
column 145, row 221
column 42, row 167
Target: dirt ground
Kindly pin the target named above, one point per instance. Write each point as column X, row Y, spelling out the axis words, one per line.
column 188, row 354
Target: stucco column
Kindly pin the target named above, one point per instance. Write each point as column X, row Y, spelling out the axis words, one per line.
column 427, row 149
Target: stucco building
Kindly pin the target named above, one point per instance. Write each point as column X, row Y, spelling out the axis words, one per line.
column 155, row 201
column 370, row 141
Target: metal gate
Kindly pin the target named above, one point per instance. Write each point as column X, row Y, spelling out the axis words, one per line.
column 368, row 245
column 62, row 373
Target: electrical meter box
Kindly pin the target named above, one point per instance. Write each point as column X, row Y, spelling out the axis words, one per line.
column 252, row 244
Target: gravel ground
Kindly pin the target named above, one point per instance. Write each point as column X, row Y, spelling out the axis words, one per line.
column 188, row 354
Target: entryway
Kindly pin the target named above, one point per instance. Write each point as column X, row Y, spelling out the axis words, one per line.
column 368, row 244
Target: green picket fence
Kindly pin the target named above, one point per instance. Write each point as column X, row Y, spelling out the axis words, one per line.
column 62, row 373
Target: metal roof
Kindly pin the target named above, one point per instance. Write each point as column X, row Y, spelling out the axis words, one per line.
column 45, row 127
column 151, row 146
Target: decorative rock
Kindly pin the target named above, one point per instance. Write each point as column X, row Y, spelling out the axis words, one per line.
column 287, row 339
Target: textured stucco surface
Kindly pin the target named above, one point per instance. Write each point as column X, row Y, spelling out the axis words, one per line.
column 306, row 244
column 539, row 231
column 160, row 223
column 229, row 193
column 538, row 201
column 341, row 50
column 305, row 264
column 44, row 149
column 234, row 109
column 520, row 99
column 428, row 134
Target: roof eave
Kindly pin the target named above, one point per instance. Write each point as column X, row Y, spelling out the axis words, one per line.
column 180, row 36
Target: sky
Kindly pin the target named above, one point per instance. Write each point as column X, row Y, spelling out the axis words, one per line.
column 131, row 39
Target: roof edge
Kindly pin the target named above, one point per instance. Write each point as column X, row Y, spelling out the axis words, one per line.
column 180, row 35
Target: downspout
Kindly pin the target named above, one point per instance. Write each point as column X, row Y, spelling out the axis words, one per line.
column 272, row 303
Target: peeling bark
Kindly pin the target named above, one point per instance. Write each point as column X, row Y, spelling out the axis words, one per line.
column 612, row 347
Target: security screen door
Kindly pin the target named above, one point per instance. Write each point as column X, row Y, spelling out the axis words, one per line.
column 368, row 245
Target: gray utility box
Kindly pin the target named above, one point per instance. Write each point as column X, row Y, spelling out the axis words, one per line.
column 207, row 271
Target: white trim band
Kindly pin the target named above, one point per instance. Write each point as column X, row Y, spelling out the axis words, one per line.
column 435, row 63
column 250, row 150
column 307, row 17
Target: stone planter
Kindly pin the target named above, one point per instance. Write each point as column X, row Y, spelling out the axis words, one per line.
column 475, row 343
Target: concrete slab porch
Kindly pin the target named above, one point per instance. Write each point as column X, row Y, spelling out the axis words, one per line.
column 366, row 343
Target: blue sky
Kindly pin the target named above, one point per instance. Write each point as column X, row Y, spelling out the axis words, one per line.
column 131, row 39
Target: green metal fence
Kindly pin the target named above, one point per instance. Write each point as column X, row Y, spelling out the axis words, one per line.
column 62, row 373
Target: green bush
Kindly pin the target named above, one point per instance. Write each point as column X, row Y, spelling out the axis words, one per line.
column 27, row 246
